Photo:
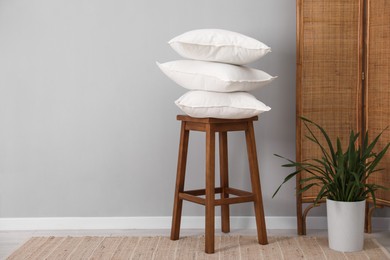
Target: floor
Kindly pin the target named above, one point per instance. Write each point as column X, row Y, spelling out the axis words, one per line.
column 11, row 240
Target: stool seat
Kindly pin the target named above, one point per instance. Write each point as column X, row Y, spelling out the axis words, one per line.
column 221, row 126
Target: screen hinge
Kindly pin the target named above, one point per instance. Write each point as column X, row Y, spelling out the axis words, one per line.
column 363, row 76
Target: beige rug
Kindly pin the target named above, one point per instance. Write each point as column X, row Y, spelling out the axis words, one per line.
column 228, row 247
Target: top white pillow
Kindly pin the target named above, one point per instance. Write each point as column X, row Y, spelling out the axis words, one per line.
column 219, row 46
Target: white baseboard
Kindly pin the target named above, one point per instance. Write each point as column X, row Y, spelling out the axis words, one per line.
column 84, row 223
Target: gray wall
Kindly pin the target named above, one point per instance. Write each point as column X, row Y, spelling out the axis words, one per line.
column 87, row 120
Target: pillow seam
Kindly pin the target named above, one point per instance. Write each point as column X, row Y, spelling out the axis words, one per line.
column 221, row 45
column 211, row 76
column 223, row 106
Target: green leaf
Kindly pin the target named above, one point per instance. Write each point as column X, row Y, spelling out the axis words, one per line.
column 341, row 174
column 307, row 187
column 321, row 194
column 291, row 175
column 325, row 135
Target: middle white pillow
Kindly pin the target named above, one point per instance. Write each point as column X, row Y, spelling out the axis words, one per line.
column 213, row 76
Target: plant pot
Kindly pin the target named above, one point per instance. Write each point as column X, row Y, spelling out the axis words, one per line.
column 345, row 225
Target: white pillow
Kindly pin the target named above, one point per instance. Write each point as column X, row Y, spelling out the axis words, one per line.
column 219, row 45
column 220, row 105
column 213, row 76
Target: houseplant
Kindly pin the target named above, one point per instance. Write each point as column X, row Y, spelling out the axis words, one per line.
column 341, row 176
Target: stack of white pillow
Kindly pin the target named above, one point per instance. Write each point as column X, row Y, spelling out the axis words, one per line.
column 215, row 75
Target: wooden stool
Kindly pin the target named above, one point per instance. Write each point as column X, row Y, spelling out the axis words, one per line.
column 222, row 126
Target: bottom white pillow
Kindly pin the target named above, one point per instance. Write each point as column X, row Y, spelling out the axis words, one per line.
column 220, row 105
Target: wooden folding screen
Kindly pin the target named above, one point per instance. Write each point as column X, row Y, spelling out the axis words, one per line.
column 343, row 80
column 377, row 88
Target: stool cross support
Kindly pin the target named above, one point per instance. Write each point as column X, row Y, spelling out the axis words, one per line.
column 211, row 126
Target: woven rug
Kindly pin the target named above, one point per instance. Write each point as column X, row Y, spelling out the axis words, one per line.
column 227, row 247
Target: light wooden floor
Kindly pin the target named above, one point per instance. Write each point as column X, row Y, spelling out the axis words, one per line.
column 10, row 240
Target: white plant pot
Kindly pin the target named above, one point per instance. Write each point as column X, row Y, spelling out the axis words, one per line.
column 345, row 225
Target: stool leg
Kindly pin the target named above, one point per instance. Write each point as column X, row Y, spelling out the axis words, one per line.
column 210, row 190
column 256, row 188
column 181, row 169
column 224, row 180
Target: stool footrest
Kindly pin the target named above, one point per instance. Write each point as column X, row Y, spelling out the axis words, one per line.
column 201, row 192
column 242, row 196
column 228, row 201
column 238, row 192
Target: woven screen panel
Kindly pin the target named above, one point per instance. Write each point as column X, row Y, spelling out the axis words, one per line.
column 330, row 85
column 378, row 85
